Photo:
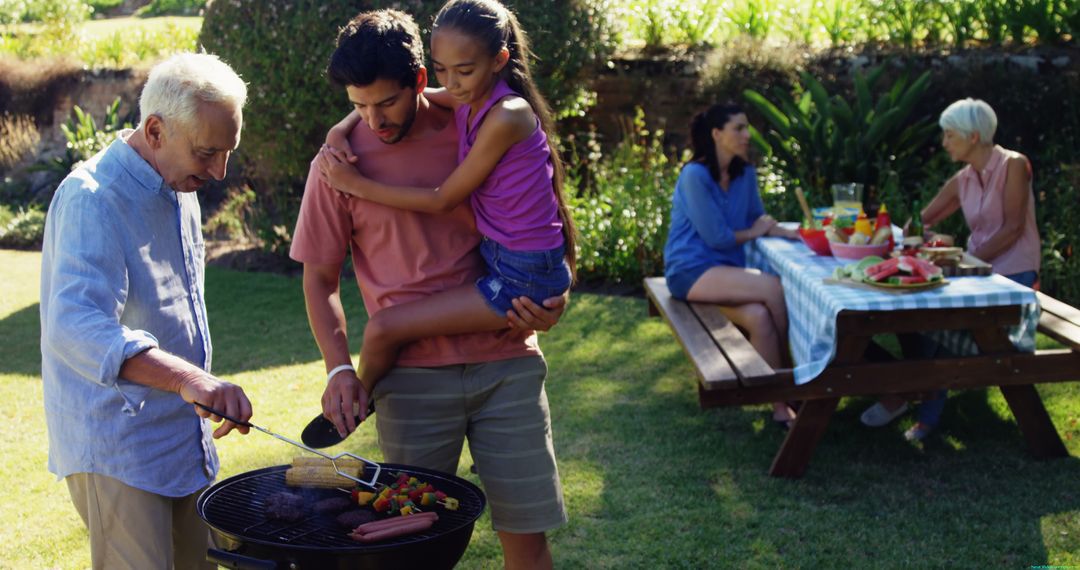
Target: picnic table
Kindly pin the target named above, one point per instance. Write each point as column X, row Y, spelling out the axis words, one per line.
column 987, row 322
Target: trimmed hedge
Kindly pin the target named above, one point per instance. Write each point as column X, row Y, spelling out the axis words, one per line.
column 282, row 47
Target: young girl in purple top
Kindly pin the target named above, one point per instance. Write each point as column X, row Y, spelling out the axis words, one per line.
column 509, row 170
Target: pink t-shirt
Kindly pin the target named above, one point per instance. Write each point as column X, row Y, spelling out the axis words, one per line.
column 399, row 255
column 982, row 198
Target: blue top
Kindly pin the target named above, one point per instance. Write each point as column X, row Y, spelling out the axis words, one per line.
column 122, row 271
column 704, row 219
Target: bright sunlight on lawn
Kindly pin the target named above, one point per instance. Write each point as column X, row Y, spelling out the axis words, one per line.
column 650, row 479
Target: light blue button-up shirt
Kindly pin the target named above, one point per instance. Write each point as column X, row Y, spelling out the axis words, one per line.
column 121, row 272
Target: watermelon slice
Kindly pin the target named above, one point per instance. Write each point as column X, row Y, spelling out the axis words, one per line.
column 885, row 273
column 882, row 266
column 926, row 269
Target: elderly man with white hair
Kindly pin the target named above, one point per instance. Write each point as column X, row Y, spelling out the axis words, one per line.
column 994, row 191
column 125, row 345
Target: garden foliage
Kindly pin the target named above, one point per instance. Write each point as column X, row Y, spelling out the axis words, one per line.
column 622, row 210
column 818, row 140
column 85, row 138
column 171, row 8
column 282, row 47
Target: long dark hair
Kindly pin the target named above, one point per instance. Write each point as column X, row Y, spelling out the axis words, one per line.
column 702, row 144
column 496, row 27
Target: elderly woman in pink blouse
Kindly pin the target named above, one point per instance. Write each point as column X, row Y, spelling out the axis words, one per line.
column 993, row 190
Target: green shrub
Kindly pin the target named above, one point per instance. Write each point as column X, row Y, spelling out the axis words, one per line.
column 282, row 46
column 818, row 140
column 233, row 219
column 23, row 229
column 622, row 214
column 171, row 8
column 19, row 137
column 84, row 138
column 130, row 47
column 100, row 7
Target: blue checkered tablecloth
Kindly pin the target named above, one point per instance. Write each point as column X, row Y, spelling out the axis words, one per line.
column 813, row 305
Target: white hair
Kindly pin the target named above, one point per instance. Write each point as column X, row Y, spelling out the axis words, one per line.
column 177, row 85
column 968, row 116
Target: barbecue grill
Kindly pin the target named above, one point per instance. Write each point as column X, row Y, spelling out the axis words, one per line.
column 235, row 511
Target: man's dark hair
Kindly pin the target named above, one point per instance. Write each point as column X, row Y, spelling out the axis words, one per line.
column 382, row 44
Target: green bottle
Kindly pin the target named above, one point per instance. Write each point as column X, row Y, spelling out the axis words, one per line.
column 913, row 237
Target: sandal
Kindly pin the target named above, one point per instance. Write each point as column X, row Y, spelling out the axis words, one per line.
column 784, row 425
column 878, row 415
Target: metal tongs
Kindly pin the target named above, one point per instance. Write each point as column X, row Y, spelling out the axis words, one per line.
column 372, row 484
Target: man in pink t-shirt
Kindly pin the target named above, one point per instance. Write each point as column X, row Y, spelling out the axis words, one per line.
column 486, row 387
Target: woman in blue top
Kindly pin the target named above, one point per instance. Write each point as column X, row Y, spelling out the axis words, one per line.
column 716, row 209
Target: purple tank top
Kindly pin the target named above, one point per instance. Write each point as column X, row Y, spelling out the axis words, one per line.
column 516, row 204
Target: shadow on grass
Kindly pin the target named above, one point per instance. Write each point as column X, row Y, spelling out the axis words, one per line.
column 20, row 337
column 658, row 479
column 257, row 320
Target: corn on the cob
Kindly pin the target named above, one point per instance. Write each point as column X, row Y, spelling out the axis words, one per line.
column 322, row 477
column 311, row 461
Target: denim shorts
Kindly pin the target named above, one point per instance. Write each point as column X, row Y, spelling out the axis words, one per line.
column 1025, row 278
column 537, row 275
column 680, row 282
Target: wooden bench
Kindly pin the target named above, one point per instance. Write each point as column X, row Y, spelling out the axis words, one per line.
column 730, row 372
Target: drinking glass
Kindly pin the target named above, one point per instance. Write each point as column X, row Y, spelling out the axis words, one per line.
column 847, row 195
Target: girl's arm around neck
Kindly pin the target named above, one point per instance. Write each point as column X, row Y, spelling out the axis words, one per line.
column 441, row 97
column 506, row 124
column 338, row 135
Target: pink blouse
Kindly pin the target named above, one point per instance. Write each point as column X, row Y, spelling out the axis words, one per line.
column 982, row 198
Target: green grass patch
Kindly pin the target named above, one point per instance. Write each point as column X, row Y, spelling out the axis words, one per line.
column 97, row 29
column 650, row 479
column 113, row 43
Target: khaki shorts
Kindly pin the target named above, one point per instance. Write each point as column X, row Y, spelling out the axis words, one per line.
column 425, row 414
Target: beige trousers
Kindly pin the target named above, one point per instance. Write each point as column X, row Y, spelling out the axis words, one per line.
column 132, row 528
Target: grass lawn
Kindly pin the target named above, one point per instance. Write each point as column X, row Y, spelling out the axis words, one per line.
column 93, row 29
column 97, row 29
column 650, row 479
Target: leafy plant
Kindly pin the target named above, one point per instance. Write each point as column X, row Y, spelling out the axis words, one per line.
column 132, row 46
column 697, row 22
column 84, row 138
column 19, row 137
column 102, row 6
column 818, row 140
column 622, row 216
column 234, row 218
column 655, row 23
column 23, row 230
column 905, row 23
column 839, row 19
column 171, row 8
column 753, row 18
column 962, row 17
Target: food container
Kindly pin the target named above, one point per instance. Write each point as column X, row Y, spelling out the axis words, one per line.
column 815, row 240
column 820, row 214
column 847, row 251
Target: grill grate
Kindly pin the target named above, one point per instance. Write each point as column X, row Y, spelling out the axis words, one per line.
column 236, row 506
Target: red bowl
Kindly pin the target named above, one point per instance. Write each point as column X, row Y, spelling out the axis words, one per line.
column 815, row 240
